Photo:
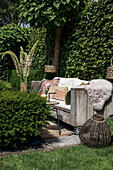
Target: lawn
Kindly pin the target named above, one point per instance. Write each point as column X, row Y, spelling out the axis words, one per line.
column 75, row 158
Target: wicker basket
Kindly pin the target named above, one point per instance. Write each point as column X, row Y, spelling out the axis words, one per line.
column 110, row 71
column 95, row 132
column 50, row 68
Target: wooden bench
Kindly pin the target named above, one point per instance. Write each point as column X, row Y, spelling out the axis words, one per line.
column 81, row 109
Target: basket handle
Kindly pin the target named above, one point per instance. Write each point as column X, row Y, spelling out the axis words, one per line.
column 51, row 59
column 111, row 61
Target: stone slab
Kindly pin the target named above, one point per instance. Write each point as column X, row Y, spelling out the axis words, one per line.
column 61, row 142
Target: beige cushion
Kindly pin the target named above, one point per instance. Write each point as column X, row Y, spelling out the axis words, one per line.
column 60, row 94
column 53, row 89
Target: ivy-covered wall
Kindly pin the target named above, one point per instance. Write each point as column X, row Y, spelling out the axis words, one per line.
column 39, row 57
column 88, row 43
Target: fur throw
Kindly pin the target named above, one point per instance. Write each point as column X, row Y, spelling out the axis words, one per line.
column 99, row 91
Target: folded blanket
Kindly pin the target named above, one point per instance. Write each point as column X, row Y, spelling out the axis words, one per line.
column 71, row 82
column 99, row 91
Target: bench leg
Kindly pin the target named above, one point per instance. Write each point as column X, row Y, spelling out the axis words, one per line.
column 58, row 122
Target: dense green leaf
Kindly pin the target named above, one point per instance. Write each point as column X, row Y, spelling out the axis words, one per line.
column 16, row 127
column 25, row 14
column 88, row 41
column 68, row 1
column 47, row 10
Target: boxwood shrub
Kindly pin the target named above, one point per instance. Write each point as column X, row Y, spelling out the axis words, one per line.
column 22, row 116
column 5, row 86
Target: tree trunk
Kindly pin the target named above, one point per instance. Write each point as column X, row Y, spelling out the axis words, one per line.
column 58, row 34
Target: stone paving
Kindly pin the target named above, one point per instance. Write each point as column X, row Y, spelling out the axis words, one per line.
column 62, row 141
column 53, row 140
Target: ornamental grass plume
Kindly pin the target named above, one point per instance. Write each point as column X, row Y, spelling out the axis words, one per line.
column 22, row 67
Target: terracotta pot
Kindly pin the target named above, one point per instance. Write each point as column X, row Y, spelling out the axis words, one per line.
column 23, row 86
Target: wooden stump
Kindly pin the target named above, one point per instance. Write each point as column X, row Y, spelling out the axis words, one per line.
column 95, row 132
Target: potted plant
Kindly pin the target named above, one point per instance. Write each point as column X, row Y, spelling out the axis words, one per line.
column 22, row 67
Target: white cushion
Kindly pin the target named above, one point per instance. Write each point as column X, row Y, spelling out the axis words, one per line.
column 71, row 82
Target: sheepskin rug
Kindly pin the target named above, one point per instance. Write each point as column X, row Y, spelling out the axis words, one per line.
column 99, row 91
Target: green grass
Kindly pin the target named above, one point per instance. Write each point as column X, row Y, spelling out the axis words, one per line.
column 74, row 158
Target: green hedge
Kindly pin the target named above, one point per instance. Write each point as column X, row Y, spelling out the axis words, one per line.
column 5, row 86
column 13, row 78
column 22, row 116
column 88, row 45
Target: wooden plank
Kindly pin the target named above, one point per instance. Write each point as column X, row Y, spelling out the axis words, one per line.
column 81, row 107
column 90, row 111
column 73, row 102
column 73, row 107
column 63, row 116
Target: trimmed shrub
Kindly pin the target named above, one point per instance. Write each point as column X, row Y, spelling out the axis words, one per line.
column 22, row 116
column 4, row 86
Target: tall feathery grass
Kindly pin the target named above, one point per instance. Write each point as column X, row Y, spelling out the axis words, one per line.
column 22, row 67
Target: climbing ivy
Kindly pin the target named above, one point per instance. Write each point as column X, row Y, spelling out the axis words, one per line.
column 89, row 46
column 39, row 57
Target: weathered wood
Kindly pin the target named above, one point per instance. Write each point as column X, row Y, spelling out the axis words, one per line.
column 63, row 115
column 81, row 109
column 35, row 85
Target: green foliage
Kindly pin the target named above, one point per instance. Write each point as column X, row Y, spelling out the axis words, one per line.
column 109, row 122
column 22, row 116
column 87, row 158
column 12, row 36
column 9, row 12
column 88, row 49
column 50, row 13
column 4, row 86
column 34, row 75
column 39, row 56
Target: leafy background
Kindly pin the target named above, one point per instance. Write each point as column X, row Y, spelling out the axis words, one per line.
column 86, row 44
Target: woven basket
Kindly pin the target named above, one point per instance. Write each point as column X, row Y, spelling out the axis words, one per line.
column 110, row 71
column 50, row 68
column 95, row 132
